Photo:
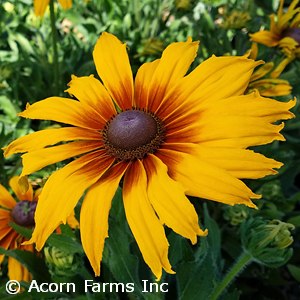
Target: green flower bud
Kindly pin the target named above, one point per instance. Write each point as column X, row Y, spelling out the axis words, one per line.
column 236, row 214
column 267, row 241
column 272, row 191
column 61, row 263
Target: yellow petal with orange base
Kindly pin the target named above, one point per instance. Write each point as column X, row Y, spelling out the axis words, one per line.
column 169, row 201
column 57, row 200
column 113, row 67
column 201, row 179
column 143, row 222
column 94, row 214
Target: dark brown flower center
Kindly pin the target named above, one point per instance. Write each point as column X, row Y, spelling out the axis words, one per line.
column 294, row 33
column 132, row 134
column 23, row 213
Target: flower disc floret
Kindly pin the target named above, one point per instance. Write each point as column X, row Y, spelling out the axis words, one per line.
column 293, row 33
column 23, row 213
column 133, row 134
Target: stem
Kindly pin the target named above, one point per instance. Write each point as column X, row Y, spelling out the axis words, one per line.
column 244, row 259
column 54, row 45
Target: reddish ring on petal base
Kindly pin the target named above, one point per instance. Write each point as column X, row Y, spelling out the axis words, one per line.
column 132, row 134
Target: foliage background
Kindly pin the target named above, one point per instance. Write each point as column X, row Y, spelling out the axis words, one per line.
column 148, row 26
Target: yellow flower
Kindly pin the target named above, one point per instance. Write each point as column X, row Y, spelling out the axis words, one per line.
column 169, row 135
column 41, row 5
column 21, row 213
column 284, row 30
column 265, row 78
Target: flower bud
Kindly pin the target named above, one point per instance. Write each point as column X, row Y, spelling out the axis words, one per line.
column 272, row 191
column 236, row 214
column 267, row 241
column 61, row 263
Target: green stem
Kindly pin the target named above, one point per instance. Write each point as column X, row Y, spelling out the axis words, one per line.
column 54, row 45
column 244, row 259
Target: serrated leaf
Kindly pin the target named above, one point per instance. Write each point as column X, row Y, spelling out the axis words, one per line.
column 197, row 279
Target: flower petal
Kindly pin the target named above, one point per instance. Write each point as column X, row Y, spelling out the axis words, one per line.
column 238, row 131
column 17, row 189
column 209, row 82
column 143, row 77
column 94, row 214
column 38, row 159
column 173, row 65
column 262, row 71
column 5, row 229
column 6, row 200
column 63, row 110
column 267, row 38
column 169, row 201
column 240, row 163
column 144, row 224
column 66, row 4
column 40, row 7
column 112, row 64
column 8, row 240
column 204, row 180
column 46, row 137
column 16, row 271
column 90, row 91
column 62, row 191
column 251, row 105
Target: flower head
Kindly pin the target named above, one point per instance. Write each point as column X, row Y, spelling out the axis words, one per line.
column 284, row 30
column 166, row 133
column 41, row 5
column 20, row 212
column 265, row 78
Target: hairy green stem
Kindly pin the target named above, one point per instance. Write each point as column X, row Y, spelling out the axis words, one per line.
column 244, row 259
column 54, row 45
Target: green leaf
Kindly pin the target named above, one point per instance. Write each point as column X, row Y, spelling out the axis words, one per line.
column 180, row 249
column 294, row 220
column 24, row 231
column 214, row 234
column 35, row 265
column 8, row 108
column 65, row 243
column 196, row 279
column 295, row 271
